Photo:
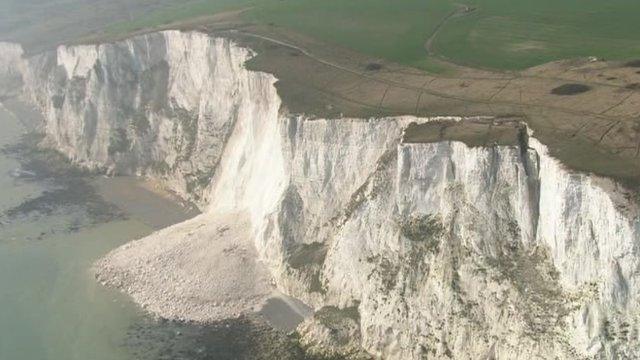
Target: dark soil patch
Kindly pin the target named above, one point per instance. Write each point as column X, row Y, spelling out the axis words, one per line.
column 481, row 132
column 570, row 89
column 67, row 191
column 373, row 67
column 300, row 255
column 612, row 78
column 243, row 338
column 634, row 86
column 308, row 259
column 633, row 63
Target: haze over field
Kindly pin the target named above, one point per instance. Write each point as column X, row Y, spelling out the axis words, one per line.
column 498, row 34
column 41, row 24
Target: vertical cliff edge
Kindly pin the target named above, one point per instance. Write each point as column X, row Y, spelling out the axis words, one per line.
column 409, row 238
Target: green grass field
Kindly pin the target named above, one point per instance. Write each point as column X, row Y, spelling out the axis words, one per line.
column 395, row 31
column 187, row 9
column 498, row 34
column 516, row 34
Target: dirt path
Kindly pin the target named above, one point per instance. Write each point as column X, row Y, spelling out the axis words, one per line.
column 461, row 10
column 298, row 48
column 594, row 131
column 440, row 94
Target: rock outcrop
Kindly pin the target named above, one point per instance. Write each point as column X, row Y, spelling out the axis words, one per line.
column 161, row 105
column 408, row 248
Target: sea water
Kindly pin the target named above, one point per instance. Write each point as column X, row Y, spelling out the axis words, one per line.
column 55, row 222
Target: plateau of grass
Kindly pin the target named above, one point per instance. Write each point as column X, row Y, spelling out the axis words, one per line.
column 181, row 11
column 496, row 34
column 517, row 34
column 395, row 31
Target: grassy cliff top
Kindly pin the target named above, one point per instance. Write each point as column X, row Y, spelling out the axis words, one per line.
column 496, row 34
column 473, row 132
column 367, row 58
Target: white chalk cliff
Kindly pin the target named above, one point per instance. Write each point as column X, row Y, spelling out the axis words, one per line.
column 408, row 250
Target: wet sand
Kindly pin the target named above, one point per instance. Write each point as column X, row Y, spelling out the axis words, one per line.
column 56, row 222
column 144, row 200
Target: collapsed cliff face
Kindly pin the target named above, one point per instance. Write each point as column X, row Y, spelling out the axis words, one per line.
column 407, row 248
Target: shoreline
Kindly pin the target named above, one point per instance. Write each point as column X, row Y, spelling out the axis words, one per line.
column 138, row 197
column 214, row 268
column 145, row 200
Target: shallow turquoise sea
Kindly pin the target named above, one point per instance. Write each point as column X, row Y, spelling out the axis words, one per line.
column 50, row 305
column 53, row 226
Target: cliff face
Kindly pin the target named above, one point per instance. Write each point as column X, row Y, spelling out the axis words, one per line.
column 10, row 68
column 407, row 249
column 160, row 105
column 446, row 249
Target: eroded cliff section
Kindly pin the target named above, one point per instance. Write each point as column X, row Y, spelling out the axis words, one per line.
column 411, row 237
column 160, row 105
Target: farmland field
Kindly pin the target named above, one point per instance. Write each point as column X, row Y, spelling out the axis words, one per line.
column 495, row 34
column 179, row 11
column 507, row 34
column 396, row 31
